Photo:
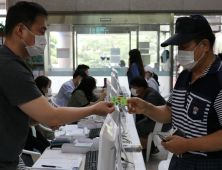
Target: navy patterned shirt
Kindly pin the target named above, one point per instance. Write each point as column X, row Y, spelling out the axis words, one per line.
column 197, row 107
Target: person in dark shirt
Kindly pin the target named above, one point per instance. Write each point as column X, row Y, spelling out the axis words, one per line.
column 194, row 105
column 139, row 88
column 22, row 104
column 135, row 65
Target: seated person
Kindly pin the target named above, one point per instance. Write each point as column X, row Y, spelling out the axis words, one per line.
column 140, row 89
column 49, row 93
column 152, row 78
column 44, row 85
column 84, row 94
column 83, row 67
column 165, row 60
column 36, row 141
column 68, row 87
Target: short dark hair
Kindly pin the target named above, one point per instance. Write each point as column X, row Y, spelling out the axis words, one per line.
column 209, row 36
column 82, row 67
column 79, row 73
column 41, row 82
column 87, row 85
column 122, row 63
column 25, row 13
column 139, row 81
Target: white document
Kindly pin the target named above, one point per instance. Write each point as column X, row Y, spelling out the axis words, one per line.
column 57, row 154
column 61, row 164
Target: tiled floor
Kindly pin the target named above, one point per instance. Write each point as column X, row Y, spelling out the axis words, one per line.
column 154, row 162
column 156, row 158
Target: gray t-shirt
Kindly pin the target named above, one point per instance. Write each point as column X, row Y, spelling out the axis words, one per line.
column 152, row 96
column 17, row 86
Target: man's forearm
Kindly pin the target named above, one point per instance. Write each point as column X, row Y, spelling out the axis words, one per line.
column 40, row 110
column 33, row 122
column 161, row 114
column 209, row 143
column 72, row 115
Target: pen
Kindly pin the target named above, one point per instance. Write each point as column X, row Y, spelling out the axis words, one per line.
column 51, row 166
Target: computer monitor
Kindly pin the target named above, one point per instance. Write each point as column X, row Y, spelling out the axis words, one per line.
column 113, row 92
column 107, row 150
column 108, row 85
column 114, row 79
column 115, row 72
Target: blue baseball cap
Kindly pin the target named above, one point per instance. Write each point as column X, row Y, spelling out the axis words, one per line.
column 188, row 28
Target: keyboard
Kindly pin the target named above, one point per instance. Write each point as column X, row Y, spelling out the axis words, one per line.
column 91, row 160
column 94, row 133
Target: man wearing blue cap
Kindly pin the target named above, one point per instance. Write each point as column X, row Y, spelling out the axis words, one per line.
column 194, row 105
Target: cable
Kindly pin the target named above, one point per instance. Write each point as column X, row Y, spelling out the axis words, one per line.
column 128, row 141
column 121, row 143
column 126, row 161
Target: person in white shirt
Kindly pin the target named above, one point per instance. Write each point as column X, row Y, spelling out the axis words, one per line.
column 68, row 87
column 152, row 78
column 165, row 60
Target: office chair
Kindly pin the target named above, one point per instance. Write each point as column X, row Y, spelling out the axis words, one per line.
column 161, row 88
column 157, row 129
column 45, row 128
column 53, row 99
column 34, row 155
column 166, row 97
column 49, row 133
column 164, row 165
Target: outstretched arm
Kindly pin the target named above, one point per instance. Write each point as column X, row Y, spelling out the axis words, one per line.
column 161, row 114
column 41, row 111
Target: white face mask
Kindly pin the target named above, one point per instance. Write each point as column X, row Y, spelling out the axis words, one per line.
column 49, row 92
column 79, row 82
column 146, row 76
column 186, row 58
column 133, row 92
column 38, row 47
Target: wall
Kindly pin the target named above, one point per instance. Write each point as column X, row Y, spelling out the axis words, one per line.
column 80, row 6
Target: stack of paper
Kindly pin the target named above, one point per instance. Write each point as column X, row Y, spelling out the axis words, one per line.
column 61, row 164
column 55, row 159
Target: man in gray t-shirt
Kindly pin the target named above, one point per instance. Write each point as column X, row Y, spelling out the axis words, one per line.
column 21, row 103
column 145, row 126
column 17, row 86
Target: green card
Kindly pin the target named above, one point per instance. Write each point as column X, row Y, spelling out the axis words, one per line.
column 119, row 101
